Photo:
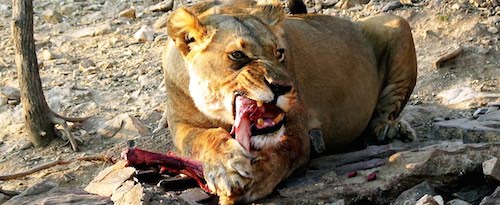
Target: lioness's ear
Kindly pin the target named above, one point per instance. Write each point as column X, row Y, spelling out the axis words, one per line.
column 271, row 14
column 185, row 28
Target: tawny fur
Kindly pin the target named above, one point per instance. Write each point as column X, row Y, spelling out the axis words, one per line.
column 347, row 78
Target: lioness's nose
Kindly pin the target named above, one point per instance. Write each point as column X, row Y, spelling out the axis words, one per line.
column 279, row 88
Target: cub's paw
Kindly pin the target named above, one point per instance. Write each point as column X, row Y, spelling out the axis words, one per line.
column 397, row 129
column 229, row 172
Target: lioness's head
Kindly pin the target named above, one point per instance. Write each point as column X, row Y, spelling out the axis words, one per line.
column 235, row 56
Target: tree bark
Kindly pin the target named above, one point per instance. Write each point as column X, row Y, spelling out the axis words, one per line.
column 37, row 114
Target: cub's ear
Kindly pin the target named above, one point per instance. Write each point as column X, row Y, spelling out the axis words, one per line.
column 270, row 14
column 185, row 29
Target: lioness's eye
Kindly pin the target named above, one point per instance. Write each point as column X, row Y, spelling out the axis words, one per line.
column 280, row 54
column 237, row 56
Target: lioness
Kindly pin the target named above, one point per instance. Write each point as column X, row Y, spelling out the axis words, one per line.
column 246, row 70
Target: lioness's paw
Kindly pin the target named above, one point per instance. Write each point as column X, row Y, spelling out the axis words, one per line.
column 397, row 129
column 228, row 173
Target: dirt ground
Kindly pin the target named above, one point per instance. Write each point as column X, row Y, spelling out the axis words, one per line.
column 110, row 73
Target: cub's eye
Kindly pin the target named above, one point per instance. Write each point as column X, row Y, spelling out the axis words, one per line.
column 280, row 54
column 237, row 56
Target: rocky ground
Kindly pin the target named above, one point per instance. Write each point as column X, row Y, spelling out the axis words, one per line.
column 102, row 59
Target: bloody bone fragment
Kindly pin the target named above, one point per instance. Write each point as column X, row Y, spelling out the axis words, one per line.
column 352, row 174
column 170, row 162
column 372, row 176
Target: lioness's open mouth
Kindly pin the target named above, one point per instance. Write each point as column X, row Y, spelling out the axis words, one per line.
column 255, row 118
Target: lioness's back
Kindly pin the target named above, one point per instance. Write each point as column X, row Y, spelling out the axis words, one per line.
column 336, row 72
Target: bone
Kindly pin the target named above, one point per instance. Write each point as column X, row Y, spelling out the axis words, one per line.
column 170, row 162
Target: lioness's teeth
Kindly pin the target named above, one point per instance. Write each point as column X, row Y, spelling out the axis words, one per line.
column 279, row 118
column 260, row 122
column 260, row 103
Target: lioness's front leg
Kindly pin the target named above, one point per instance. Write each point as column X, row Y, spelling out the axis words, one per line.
column 226, row 163
column 393, row 46
column 274, row 164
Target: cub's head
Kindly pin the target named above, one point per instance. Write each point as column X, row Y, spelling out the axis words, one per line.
column 235, row 57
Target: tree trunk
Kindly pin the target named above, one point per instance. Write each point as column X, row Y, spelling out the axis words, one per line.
column 37, row 115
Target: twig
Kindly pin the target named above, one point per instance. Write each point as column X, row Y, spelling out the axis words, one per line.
column 67, row 132
column 447, row 56
column 97, row 158
column 33, row 170
column 53, row 163
column 63, row 121
column 70, row 119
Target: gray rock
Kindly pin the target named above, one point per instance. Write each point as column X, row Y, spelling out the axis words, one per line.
column 490, row 116
column 47, row 55
column 493, row 199
column 10, row 93
column 161, row 37
column 3, row 100
column 339, row 202
column 104, row 28
column 151, row 116
column 194, row 195
column 13, row 102
column 146, row 80
column 493, row 30
column 145, row 33
column 457, row 6
column 439, row 199
column 391, row 6
column 492, row 20
column 163, row 6
column 442, row 164
column 3, row 198
column 129, row 193
column 474, row 193
column 123, row 126
column 491, row 168
column 469, row 130
column 128, row 13
column 51, row 16
column 88, row 66
column 457, row 202
column 69, row 9
column 161, row 22
column 4, row 7
column 463, row 97
column 47, row 192
column 95, row 17
column 86, row 63
column 426, row 200
column 411, row 196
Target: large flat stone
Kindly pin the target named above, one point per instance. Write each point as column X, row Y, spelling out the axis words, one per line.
column 441, row 164
column 93, row 31
column 470, row 130
column 491, row 168
column 130, row 193
column 123, row 126
column 110, row 179
column 47, row 192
